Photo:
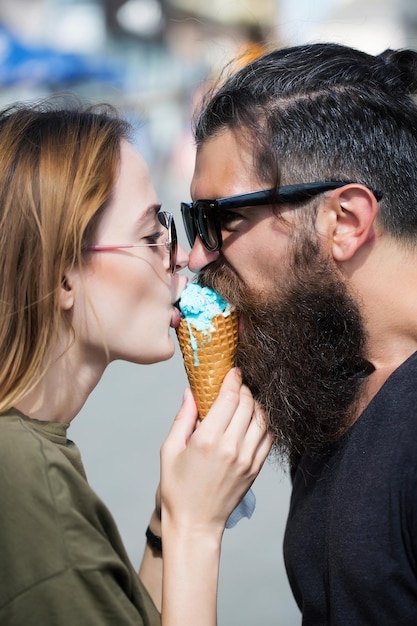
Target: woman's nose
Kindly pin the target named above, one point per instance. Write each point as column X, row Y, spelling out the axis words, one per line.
column 199, row 256
column 182, row 258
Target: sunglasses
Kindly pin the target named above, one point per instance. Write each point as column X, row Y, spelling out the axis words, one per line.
column 167, row 221
column 203, row 217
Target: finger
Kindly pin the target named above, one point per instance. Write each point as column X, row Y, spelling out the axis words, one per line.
column 236, row 431
column 260, row 455
column 258, row 426
column 226, row 403
column 256, row 440
column 263, row 450
column 184, row 422
column 243, row 414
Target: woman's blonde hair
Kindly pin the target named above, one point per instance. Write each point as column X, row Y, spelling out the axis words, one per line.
column 58, row 166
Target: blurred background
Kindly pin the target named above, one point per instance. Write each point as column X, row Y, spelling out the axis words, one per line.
column 152, row 58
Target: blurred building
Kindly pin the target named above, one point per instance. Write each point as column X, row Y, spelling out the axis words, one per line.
column 152, row 57
column 371, row 26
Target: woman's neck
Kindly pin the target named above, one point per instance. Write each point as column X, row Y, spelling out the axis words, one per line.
column 62, row 392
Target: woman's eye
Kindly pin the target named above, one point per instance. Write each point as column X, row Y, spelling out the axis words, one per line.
column 155, row 237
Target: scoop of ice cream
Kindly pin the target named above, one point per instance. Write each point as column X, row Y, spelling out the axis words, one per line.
column 200, row 305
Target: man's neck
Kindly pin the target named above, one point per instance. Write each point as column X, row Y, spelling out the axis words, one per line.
column 386, row 286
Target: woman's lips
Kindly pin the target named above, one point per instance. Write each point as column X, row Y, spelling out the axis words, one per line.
column 176, row 315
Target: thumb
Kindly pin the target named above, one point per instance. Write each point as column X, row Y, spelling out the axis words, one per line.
column 186, row 418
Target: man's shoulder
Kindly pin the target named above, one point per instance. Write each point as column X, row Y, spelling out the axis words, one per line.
column 399, row 393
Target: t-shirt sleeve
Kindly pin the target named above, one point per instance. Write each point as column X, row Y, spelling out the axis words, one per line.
column 62, row 559
column 82, row 598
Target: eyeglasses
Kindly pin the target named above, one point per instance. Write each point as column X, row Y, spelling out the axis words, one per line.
column 203, row 217
column 171, row 243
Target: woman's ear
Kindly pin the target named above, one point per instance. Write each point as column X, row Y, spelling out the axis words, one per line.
column 355, row 209
column 66, row 297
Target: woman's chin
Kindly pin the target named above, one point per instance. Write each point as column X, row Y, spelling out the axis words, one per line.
column 166, row 353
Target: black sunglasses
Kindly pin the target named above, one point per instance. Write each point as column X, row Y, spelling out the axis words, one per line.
column 202, row 217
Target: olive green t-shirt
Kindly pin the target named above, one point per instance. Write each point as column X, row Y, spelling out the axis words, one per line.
column 62, row 561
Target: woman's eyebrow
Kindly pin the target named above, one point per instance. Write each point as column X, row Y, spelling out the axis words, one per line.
column 151, row 211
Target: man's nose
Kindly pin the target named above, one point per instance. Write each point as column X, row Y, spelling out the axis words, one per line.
column 199, row 256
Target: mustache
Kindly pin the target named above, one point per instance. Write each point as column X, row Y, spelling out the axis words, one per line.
column 220, row 276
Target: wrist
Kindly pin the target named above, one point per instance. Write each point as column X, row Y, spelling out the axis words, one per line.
column 191, row 534
column 154, row 541
column 155, row 524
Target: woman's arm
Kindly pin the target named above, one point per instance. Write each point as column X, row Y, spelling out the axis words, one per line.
column 150, row 571
column 205, row 472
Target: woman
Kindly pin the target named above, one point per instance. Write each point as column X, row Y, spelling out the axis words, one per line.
column 89, row 275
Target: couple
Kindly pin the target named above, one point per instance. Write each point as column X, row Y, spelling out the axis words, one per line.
column 303, row 216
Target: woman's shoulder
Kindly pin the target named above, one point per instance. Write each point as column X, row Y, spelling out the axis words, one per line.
column 25, row 442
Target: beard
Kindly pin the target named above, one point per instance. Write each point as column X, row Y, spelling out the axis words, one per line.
column 302, row 353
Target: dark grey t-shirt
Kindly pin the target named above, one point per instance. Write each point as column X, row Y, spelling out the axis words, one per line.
column 62, row 562
column 351, row 539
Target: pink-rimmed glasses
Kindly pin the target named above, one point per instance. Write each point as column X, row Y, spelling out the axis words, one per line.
column 167, row 221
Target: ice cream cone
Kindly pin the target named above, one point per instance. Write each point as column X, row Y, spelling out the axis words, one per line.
column 208, row 356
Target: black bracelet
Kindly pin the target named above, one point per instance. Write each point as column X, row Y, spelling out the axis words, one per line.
column 154, row 541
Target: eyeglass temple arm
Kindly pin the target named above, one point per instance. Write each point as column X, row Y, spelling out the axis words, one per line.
column 292, row 193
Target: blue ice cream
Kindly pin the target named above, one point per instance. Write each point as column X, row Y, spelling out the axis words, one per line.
column 198, row 306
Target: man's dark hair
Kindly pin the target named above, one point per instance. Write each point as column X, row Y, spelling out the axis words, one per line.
column 327, row 112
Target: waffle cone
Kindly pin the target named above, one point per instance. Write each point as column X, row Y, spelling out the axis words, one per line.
column 214, row 357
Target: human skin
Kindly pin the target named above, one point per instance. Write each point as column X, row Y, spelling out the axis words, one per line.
column 130, row 288
column 255, row 241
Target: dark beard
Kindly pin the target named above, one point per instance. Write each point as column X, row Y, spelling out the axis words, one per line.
column 303, row 352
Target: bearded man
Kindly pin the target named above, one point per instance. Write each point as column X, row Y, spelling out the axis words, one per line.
column 304, row 215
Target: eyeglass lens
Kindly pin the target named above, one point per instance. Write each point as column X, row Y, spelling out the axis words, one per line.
column 189, row 224
column 167, row 220
column 200, row 219
column 207, row 219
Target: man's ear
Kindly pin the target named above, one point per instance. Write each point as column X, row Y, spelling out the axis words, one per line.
column 354, row 209
column 66, row 296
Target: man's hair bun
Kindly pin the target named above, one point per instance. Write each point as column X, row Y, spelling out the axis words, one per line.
column 398, row 70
